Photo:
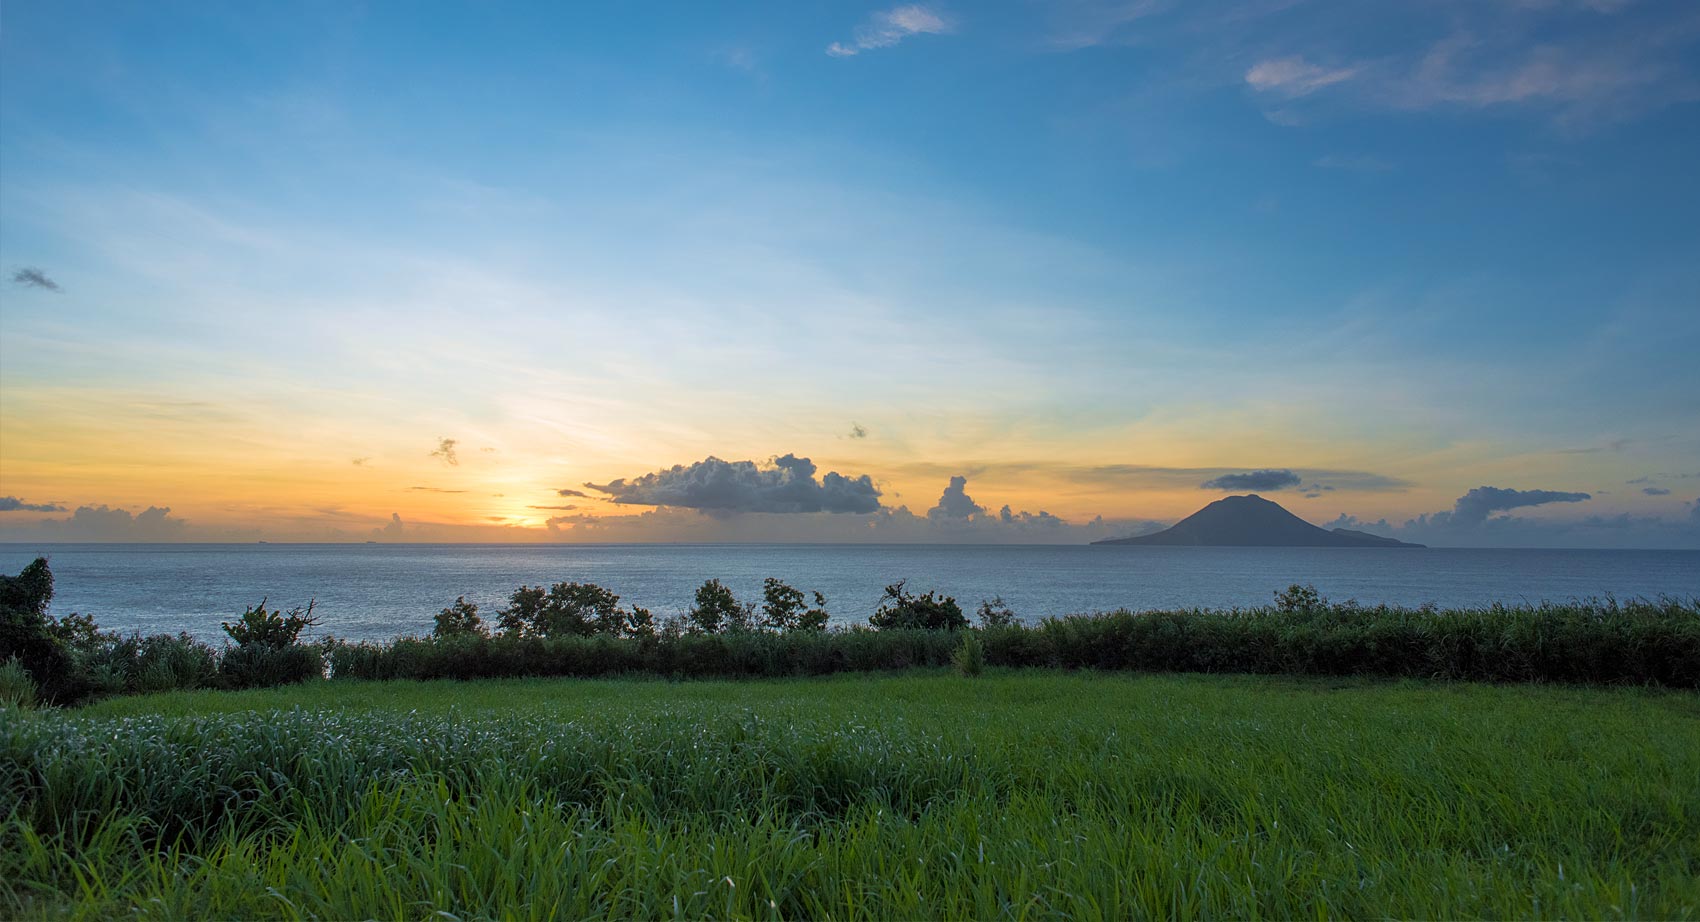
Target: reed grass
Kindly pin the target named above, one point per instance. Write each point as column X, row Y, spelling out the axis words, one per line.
column 1597, row 641
column 1018, row 794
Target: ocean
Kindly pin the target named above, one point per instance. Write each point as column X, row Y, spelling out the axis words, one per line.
column 379, row 591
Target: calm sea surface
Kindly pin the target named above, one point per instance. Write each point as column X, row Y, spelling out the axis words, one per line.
column 380, row 591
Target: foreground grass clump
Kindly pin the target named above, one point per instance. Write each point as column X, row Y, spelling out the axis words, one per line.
column 1606, row 642
column 1016, row 794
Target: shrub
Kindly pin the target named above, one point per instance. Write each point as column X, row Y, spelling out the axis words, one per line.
column 459, row 619
column 970, row 656
column 1296, row 598
column 716, row 610
column 261, row 666
column 995, row 612
column 27, row 635
column 902, row 609
column 17, row 689
column 569, row 610
column 784, row 609
column 260, row 627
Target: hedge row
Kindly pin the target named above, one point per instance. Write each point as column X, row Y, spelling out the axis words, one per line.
column 1638, row 642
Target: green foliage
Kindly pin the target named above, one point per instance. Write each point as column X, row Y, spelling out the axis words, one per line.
column 785, row 608
column 1018, row 795
column 929, row 612
column 970, row 656
column 1296, row 598
column 570, row 610
column 1637, row 642
column 262, row 627
column 26, row 634
column 79, row 633
column 17, row 689
column 459, row 619
column 995, row 612
column 716, row 610
column 262, row 666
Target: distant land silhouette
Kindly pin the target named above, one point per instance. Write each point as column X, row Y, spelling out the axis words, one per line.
column 1252, row 521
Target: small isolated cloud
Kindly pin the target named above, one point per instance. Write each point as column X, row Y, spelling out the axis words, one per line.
column 578, row 493
column 565, row 508
column 1254, row 480
column 858, row 431
column 31, row 277
column 884, row 29
column 446, row 451
column 1655, row 491
column 955, row 503
column 14, row 504
column 1474, row 507
column 1294, row 76
column 721, row 487
column 360, row 462
column 434, row 490
column 100, row 523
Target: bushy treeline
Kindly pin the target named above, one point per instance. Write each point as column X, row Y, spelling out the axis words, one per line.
column 581, row 629
column 1598, row 641
column 70, row 659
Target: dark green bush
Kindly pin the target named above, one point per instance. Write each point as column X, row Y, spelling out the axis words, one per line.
column 27, row 634
column 268, row 666
column 1584, row 642
column 459, row 619
column 571, row 610
column 262, row 627
column 928, row 611
column 716, row 609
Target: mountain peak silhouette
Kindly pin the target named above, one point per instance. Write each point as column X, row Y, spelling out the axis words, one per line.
column 1252, row 521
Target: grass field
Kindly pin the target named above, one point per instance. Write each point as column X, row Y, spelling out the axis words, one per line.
column 1019, row 794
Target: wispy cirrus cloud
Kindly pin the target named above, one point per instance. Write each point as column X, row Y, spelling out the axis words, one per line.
column 1293, row 76
column 887, row 28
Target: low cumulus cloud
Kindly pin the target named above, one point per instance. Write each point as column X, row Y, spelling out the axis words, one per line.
column 1027, row 519
column 1655, row 491
column 1474, row 507
column 31, row 277
column 711, row 485
column 14, row 504
column 887, row 28
column 1262, row 481
column 955, row 503
column 446, row 451
column 102, row 523
column 395, row 528
column 567, row 492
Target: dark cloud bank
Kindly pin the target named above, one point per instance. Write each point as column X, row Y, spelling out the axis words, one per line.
column 721, row 487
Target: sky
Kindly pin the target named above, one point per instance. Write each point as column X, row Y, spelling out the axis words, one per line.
column 1000, row 272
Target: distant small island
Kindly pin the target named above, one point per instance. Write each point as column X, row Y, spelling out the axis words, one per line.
column 1252, row 521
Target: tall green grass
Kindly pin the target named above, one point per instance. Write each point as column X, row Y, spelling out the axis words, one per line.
column 1015, row 795
column 1637, row 642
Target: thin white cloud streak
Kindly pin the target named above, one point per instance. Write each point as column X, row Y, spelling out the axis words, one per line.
column 1293, row 76
column 887, row 28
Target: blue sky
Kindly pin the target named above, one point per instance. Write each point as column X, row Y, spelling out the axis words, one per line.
column 1087, row 255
